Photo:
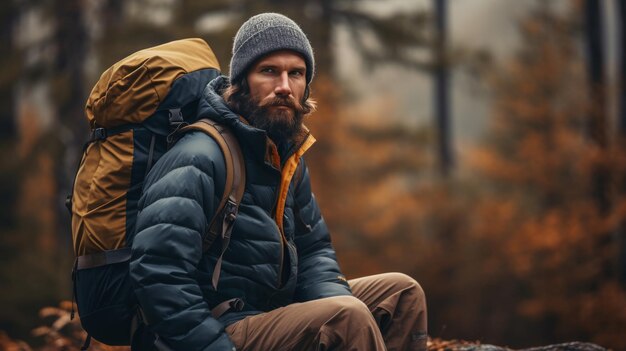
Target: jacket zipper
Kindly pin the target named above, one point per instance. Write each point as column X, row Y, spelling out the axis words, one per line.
column 283, row 239
column 282, row 259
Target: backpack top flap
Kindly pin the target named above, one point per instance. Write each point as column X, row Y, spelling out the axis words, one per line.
column 131, row 90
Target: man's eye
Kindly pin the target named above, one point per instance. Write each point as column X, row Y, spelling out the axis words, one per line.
column 267, row 70
column 297, row 73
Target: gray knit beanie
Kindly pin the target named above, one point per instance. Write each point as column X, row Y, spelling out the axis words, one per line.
column 265, row 33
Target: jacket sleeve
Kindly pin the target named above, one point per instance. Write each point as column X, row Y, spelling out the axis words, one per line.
column 319, row 275
column 179, row 199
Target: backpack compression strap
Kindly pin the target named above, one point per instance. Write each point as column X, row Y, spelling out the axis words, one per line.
column 222, row 222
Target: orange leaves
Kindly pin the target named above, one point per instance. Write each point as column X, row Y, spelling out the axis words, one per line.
column 501, row 169
column 453, row 345
column 8, row 344
column 62, row 333
column 607, row 308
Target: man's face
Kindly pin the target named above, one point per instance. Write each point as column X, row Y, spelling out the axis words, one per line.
column 277, row 83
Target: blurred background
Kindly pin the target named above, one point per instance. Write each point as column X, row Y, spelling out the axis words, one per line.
column 477, row 146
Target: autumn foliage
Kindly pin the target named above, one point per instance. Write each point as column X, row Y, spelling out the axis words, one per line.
column 555, row 237
column 520, row 247
column 58, row 332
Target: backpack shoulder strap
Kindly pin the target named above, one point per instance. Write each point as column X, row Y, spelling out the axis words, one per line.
column 222, row 222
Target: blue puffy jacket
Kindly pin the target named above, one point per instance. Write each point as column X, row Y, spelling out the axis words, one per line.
column 280, row 251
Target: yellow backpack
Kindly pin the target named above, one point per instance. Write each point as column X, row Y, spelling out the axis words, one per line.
column 134, row 111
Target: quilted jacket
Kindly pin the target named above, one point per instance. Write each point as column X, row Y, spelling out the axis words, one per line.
column 280, row 251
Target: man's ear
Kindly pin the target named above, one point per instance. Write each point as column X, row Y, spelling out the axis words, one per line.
column 306, row 94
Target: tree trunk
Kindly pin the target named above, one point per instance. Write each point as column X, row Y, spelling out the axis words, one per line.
column 597, row 125
column 597, row 88
column 70, row 95
column 441, row 88
column 9, row 170
column 621, row 106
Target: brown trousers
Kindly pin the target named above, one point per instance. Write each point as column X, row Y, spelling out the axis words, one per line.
column 387, row 312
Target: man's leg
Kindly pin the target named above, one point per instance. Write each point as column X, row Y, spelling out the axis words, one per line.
column 334, row 323
column 398, row 304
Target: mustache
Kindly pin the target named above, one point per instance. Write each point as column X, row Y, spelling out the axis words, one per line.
column 287, row 101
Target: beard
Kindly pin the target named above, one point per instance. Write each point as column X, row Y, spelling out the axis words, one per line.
column 280, row 117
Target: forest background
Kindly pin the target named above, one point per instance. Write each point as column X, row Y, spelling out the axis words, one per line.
column 498, row 181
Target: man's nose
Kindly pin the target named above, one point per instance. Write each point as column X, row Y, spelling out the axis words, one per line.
column 282, row 85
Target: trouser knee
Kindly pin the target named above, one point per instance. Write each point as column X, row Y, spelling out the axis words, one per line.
column 350, row 327
column 351, row 308
column 410, row 286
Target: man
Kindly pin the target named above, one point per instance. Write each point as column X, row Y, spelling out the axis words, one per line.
column 280, row 262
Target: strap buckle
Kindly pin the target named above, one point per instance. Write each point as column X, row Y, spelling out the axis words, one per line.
column 68, row 203
column 177, row 122
column 98, row 134
column 175, row 116
column 235, row 304
column 230, row 214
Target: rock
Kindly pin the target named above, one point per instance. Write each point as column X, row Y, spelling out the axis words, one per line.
column 456, row 345
column 569, row 346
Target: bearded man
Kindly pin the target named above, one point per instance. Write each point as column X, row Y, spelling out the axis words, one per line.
column 280, row 264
